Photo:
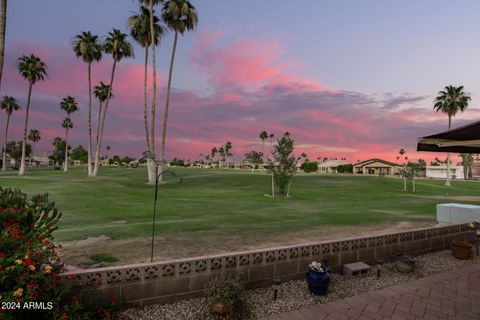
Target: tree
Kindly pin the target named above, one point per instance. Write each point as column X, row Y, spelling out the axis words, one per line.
column 213, row 153
column 58, row 153
column 87, row 46
column 34, row 135
column 255, row 158
column 14, row 149
column 404, row 171
column 180, row 16
column 221, row 152
column 263, row 136
column 69, row 105
column 451, row 101
column 467, row 160
column 33, row 70
column 3, row 28
column 140, row 26
column 283, row 164
column 270, row 137
column 79, row 153
column 101, row 92
column 228, row 146
column 9, row 104
column 117, row 45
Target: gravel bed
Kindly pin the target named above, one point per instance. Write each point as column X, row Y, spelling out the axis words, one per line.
column 294, row 294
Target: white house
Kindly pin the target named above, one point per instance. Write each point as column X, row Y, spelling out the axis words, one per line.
column 330, row 166
column 440, row 172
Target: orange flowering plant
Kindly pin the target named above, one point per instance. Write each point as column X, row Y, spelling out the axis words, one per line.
column 30, row 287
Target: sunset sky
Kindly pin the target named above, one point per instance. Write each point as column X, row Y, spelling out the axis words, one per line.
column 353, row 79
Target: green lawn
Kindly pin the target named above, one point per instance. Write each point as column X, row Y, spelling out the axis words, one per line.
column 228, row 201
column 119, row 203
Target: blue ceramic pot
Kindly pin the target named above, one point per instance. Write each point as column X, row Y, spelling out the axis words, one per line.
column 318, row 281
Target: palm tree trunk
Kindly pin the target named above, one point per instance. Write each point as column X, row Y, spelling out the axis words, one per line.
column 102, row 125
column 167, row 100
column 145, row 99
column 3, row 27
column 150, row 164
column 447, row 182
column 4, row 162
column 33, row 154
column 98, row 120
column 21, row 171
column 89, row 155
column 65, row 163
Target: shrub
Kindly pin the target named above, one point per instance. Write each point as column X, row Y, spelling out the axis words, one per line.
column 30, row 264
column 345, row 168
column 309, row 167
column 231, row 295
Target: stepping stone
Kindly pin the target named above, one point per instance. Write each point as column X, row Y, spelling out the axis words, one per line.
column 355, row 269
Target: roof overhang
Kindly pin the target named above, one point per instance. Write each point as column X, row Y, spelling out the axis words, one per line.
column 465, row 139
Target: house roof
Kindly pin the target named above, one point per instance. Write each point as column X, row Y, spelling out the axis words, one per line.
column 464, row 139
column 376, row 160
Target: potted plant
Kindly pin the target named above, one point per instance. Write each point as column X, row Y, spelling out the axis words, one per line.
column 475, row 226
column 462, row 250
column 405, row 262
column 318, row 277
column 228, row 297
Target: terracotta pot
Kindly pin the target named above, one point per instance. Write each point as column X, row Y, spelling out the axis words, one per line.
column 462, row 249
column 218, row 308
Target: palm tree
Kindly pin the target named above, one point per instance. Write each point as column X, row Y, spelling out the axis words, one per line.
column 140, row 30
column 139, row 25
column 69, row 105
column 451, row 101
column 3, row 27
column 34, row 136
column 270, row 138
column 9, row 104
column 213, row 153
column 228, row 147
column 180, row 16
column 87, row 46
column 117, row 45
column 33, row 70
column 101, row 92
column 263, row 137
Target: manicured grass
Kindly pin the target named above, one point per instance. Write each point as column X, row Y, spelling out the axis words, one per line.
column 118, row 204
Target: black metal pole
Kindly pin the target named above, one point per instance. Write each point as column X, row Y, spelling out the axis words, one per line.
column 154, row 210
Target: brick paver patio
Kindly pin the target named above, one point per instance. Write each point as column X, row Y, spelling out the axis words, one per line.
column 448, row 295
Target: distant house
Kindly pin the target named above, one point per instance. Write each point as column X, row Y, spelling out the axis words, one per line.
column 377, row 167
column 440, row 172
column 330, row 166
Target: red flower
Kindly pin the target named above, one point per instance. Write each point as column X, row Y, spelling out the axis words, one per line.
column 107, row 314
column 53, row 286
column 99, row 310
column 2, row 254
column 30, row 286
column 64, row 315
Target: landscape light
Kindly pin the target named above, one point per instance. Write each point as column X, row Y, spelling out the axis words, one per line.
column 275, row 287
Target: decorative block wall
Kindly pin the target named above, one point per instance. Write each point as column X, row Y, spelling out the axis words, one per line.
column 166, row 281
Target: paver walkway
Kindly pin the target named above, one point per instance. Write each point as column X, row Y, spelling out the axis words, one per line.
column 448, row 295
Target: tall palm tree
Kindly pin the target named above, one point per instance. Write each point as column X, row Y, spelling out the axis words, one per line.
column 9, row 104
column 87, row 46
column 117, row 45
column 101, row 92
column 3, row 28
column 69, row 105
column 263, row 137
column 140, row 26
column 227, row 148
column 213, row 152
column 180, row 16
column 34, row 136
column 451, row 101
column 33, row 70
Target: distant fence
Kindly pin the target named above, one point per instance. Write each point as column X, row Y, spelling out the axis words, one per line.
column 167, row 281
